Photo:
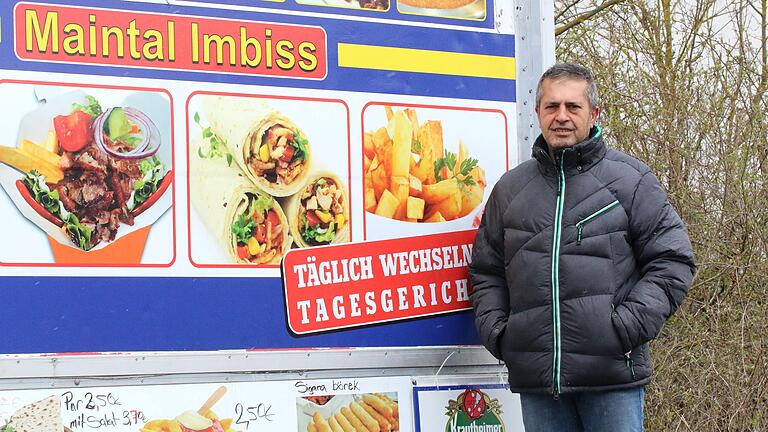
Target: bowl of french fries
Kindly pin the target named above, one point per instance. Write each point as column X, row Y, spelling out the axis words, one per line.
column 413, row 178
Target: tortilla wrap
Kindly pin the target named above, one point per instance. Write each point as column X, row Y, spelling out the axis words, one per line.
column 242, row 122
column 293, row 210
column 41, row 416
column 219, row 195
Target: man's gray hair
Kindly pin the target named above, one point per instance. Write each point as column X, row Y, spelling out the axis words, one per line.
column 571, row 71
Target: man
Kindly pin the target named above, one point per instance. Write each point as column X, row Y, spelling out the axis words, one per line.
column 578, row 262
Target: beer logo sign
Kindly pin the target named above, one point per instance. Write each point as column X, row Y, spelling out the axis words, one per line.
column 474, row 411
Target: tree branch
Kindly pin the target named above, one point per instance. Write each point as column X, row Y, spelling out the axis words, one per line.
column 580, row 19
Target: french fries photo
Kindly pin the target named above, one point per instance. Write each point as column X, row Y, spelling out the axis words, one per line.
column 366, row 413
column 411, row 176
column 173, row 425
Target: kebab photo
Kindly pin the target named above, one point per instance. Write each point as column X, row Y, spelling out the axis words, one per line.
column 96, row 170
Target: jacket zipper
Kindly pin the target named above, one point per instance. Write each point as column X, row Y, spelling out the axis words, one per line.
column 555, row 276
column 586, row 220
column 630, row 364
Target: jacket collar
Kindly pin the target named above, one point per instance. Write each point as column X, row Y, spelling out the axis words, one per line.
column 576, row 159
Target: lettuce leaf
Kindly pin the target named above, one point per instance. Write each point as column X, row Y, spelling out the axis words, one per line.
column 154, row 172
column 91, row 106
column 80, row 234
column 40, row 191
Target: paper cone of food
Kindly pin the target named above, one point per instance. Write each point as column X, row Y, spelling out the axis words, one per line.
column 247, row 222
column 91, row 175
column 41, row 416
column 319, row 214
column 272, row 151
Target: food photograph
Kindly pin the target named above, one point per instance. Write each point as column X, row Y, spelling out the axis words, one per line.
column 41, row 416
column 425, row 171
column 369, row 412
column 375, row 5
column 204, row 419
column 87, row 167
column 461, row 9
column 266, row 175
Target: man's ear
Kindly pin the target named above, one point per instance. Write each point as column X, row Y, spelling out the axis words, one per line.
column 595, row 114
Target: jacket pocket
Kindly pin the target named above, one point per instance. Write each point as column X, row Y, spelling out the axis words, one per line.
column 580, row 224
column 621, row 331
column 495, row 341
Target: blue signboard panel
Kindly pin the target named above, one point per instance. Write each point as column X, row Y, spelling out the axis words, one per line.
column 159, row 163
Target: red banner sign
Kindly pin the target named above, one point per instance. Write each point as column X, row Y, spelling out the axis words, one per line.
column 134, row 39
column 364, row 283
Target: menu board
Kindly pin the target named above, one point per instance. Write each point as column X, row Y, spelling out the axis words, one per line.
column 301, row 406
column 247, row 174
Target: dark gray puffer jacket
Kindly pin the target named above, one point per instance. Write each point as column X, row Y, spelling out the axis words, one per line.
column 576, row 265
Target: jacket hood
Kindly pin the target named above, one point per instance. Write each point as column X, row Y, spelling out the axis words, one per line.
column 580, row 157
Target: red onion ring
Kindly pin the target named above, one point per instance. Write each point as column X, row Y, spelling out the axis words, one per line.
column 149, row 145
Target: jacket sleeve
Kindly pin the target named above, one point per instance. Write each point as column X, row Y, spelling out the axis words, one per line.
column 665, row 259
column 490, row 298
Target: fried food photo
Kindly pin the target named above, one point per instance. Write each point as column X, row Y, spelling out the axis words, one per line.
column 410, row 175
column 367, row 413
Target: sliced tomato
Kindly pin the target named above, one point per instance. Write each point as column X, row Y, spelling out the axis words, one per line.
column 261, row 233
column 242, row 252
column 273, row 218
column 74, row 130
column 312, row 218
column 288, row 154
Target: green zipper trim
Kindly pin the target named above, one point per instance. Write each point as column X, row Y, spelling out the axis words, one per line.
column 587, row 219
column 555, row 277
column 630, row 364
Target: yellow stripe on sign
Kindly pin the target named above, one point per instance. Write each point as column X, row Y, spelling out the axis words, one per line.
column 426, row 61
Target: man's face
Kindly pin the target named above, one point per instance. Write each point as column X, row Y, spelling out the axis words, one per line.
column 564, row 114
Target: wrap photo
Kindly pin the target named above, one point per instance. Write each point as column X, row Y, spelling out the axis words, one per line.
column 244, row 220
column 272, row 151
column 319, row 214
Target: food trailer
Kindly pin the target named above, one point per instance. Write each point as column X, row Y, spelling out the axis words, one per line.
column 242, row 215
